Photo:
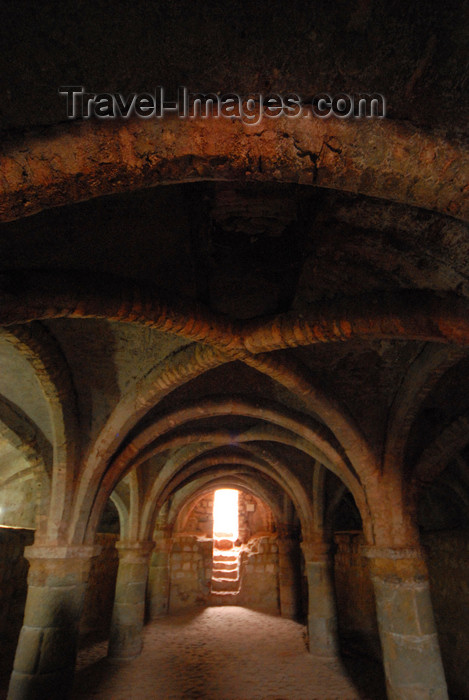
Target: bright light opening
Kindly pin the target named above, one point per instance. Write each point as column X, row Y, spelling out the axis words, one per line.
column 225, row 514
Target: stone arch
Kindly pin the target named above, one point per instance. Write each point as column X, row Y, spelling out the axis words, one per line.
column 259, row 409
column 452, row 439
column 42, row 352
column 65, row 163
column 187, row 440
column 24, row 439
column 205, row 462
column 311, row 430
column 408, row 315
column 193, row 360
column 123, row 513
column 135, row 492
column 423, row 374
column 195, row 489
column 411, row 315
column 184, row 365
column 290, row 373
column 444, row 320
column 18, row 430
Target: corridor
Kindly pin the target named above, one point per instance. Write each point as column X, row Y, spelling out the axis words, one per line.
column 220, row 652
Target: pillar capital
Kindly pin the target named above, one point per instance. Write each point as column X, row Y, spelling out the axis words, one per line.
column 59, row 565
column 373, row 552
column 405, row 618
column 45, row 551
column 397, row 564
column 46, row 651
column 136, row 552
column 315, row 549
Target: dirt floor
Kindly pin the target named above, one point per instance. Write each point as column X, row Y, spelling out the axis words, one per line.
column 224, row 652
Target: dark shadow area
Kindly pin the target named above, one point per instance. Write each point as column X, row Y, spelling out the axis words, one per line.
column 14, row 589
column 367, row 674
column 98, row 604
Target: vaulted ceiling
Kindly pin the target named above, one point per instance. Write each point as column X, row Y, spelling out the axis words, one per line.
column 206, row 318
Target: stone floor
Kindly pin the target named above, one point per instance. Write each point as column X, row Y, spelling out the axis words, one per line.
column 223, row 652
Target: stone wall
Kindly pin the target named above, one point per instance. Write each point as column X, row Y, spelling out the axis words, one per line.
column 201, row 517
column 356, row 606
column 253, row 516
column 99, row 598
column 190, row 573
column 448, row 563
column 259, row 588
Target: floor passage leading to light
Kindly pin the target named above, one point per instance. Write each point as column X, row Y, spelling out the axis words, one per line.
column 221, row 652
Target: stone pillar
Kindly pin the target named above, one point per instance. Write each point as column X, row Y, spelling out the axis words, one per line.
column 159, row 576
column 409, row 641
column 322, row 617
column 46, row 651
column 125, row 641
column 288, row 566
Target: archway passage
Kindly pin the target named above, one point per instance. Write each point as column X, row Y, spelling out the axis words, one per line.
column 226, row 554
column 225, row 514
column 225, row 551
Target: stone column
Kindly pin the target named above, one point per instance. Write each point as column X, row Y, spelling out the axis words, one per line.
column 46, row 651
column 288, row 566
column 411, row 652
column 322, row 617
column 159, row 576
column 125, row 641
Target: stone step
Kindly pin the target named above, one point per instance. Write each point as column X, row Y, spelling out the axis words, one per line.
column 223, row 544
column 225, row 560
column 224, row 574
column 225, row 553
column 224, row 584
column 225, row 565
